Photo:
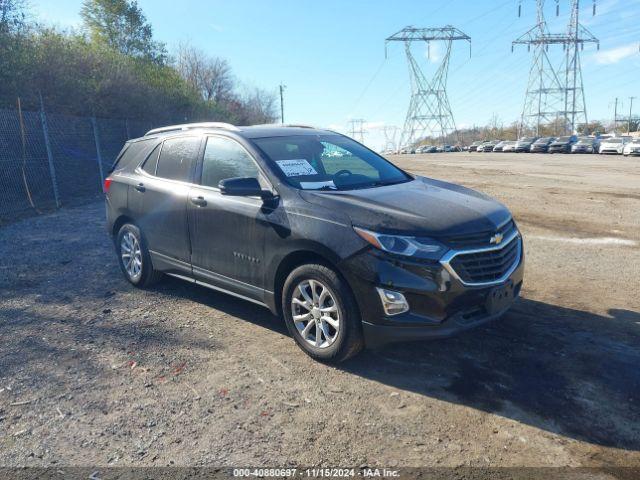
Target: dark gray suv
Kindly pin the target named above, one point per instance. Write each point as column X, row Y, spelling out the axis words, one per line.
column 348, row 248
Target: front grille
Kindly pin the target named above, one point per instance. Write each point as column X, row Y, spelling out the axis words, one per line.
column 487, row 266
column 479, row 239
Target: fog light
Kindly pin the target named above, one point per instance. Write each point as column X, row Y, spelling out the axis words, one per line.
column 393, row 303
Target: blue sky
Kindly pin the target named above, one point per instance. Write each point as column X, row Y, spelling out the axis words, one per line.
column 331, row 55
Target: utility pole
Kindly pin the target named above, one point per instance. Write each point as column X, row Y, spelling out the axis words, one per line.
column 429, row 112
column 282, row 87
column 615, row 116
column 630, row 109
column 555, row 92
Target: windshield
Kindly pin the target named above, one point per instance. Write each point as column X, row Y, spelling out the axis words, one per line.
column 563, row 139
column 328, row 162
column 527, row 139
column 586, row 141
column 544, row 140
column 613, row 140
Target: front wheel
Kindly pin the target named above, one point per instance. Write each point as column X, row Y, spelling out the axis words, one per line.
column 134, row 258
column 321, row 313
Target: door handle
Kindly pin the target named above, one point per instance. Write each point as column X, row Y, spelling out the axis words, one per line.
column 140, row 187
column 199, row 201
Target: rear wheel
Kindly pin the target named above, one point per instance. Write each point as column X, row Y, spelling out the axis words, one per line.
column 134, row 258
column 321, row 313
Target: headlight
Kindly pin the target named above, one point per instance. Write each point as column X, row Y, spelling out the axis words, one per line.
column 400, row 245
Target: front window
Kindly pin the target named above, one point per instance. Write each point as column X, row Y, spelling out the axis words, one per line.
column 614, row 140
column 563, row 139
column 224, row 158
column 328, row 162
column 586, row 141
column 544, row 140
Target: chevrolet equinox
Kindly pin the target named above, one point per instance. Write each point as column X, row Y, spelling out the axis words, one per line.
column 348, row 248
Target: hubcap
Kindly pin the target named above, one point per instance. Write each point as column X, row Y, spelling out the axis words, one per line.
column 131, row 255
column 315, row 313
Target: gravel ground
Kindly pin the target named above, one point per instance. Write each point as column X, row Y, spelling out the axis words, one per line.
column 96, row 372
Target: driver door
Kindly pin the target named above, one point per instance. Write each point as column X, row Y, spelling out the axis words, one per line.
column 227, row 233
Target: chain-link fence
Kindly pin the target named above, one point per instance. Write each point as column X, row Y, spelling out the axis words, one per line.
column 49, row 160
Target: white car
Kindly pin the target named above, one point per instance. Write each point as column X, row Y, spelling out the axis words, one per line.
column 509, row 146
column 613, row 145
column 632, row 148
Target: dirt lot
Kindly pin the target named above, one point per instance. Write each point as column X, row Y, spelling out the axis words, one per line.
column 95, row 372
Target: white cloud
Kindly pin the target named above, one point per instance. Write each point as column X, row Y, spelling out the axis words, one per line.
column 614, row 55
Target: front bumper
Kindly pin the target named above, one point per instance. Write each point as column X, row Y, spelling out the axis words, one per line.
column 440, row 305
column 582, row 150
column 559, row 149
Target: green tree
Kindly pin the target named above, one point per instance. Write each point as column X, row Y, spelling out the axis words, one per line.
column 121, row 25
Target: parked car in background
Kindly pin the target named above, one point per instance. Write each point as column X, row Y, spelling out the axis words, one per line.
column 586, row 145
column 562, row 144
column 489, row 145
column 499, row 146
column 632, row 147
column 524, row 144
column 509, row 146
column 613, row 145
column 343, row 248
column 474, row 146
column 426, row 149
column 541, row 145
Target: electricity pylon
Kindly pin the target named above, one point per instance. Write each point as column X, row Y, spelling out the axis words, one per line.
column 429, row 111
column 357, row 129
column 555, row 95
column 390, row 135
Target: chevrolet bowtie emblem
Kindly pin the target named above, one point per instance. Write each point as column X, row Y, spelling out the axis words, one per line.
column 497, row 238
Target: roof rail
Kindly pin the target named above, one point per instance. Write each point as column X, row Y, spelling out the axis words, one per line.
column 189, row 126
column 293, row 125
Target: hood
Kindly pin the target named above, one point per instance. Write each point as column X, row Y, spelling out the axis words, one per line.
column 421, row 207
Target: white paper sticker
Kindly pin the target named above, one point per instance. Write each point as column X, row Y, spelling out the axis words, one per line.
column 296, row 167
column 317, row 185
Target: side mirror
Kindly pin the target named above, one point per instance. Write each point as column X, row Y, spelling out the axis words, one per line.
column 243, row 187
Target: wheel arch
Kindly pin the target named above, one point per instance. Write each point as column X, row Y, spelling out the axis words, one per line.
column 302, row 256
column 120, row 221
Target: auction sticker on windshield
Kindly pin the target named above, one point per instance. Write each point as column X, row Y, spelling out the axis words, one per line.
column 296, row 167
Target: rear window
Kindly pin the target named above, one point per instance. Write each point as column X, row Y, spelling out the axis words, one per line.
column 176, row 158
column 152, row 161
column 132, row 154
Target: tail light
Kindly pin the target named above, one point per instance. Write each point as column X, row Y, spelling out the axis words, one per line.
column 107, row 184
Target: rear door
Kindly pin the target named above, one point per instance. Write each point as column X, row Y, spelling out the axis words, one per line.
column 162, row 192
column 228, row 233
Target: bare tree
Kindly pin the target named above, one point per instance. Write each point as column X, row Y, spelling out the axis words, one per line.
column 210, row 76
column 260, row 106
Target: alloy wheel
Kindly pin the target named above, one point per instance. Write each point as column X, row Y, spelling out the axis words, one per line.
column 131, row 255
column 315, row 313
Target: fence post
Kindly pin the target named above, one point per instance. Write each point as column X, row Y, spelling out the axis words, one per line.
column 52, row 169
column 96, row 137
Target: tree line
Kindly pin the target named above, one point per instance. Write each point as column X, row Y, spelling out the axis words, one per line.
column 112, row 66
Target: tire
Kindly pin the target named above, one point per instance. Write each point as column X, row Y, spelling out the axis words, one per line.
column 131, row 237
column 341, row 343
